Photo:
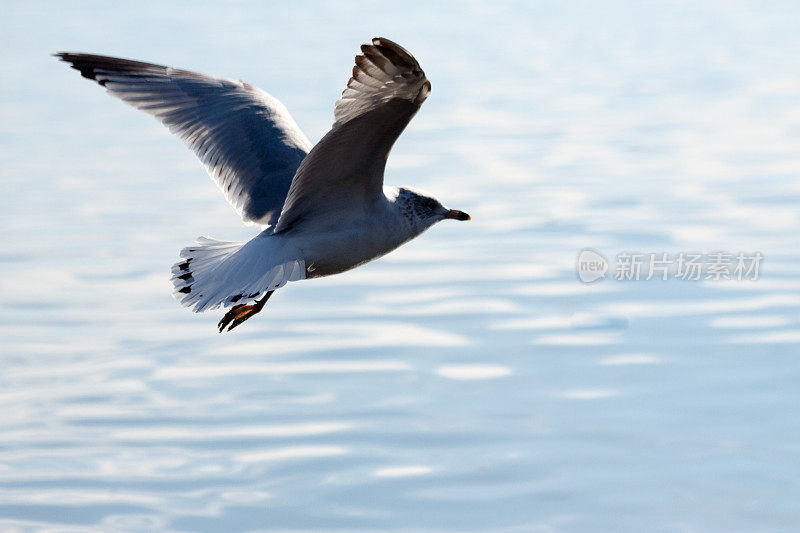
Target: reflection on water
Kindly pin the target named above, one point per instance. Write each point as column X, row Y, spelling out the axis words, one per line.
column 467, row 382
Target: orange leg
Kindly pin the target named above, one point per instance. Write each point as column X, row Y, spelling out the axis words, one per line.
column 239, row 313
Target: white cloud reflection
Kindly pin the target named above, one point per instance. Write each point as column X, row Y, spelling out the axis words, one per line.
column 289, row 453
column 471, row 372
column 403, row 471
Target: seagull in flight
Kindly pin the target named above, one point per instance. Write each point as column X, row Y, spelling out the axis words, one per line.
column 324, row 208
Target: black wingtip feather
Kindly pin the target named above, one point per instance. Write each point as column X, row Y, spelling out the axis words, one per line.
column 88, row 64
column 395, row 53
column 74, row 60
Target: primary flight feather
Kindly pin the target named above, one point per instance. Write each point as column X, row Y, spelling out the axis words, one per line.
column 326, row 208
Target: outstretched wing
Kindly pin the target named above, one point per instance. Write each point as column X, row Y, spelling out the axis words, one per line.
column 246, row 139
column 344, row 171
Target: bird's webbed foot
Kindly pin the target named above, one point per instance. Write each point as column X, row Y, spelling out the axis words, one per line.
column 239, row 313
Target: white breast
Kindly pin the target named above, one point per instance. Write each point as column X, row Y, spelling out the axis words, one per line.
column 343, row 247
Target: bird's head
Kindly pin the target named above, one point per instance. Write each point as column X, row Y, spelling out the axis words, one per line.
column 424, row 209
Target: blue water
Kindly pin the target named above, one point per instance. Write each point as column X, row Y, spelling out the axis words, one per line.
column 466, row 382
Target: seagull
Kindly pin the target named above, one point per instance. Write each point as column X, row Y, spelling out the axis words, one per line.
column 324, row 208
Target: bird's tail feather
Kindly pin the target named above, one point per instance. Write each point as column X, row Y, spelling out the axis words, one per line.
column 219, row 273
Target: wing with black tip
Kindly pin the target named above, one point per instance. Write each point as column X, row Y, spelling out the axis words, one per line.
column 246, row 139
column 344, row 171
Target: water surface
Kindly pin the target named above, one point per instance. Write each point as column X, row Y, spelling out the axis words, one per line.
column 467, row 382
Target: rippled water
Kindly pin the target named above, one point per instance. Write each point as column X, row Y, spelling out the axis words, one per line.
column 467, row 382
